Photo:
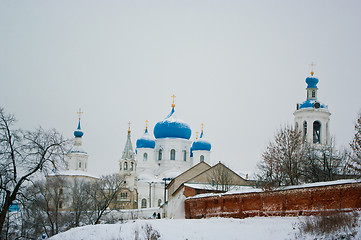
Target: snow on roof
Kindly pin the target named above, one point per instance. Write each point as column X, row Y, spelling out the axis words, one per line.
column 319, row 184
column 245, row 189
column 77, row 149
column 73, row 173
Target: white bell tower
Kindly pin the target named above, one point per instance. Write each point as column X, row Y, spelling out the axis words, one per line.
column 312, row 117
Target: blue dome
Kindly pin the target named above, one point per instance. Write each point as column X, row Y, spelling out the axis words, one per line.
column 171, row 127
column 311, row 104
column 311, row 82
column 78, row 133
column 201, row 144
column 146, row 141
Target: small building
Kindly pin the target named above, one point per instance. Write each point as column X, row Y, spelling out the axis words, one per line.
column 201, row 179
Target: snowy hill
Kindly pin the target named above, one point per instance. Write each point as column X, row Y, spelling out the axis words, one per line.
column 214, row 228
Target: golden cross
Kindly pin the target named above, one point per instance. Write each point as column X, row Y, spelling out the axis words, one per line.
column 173, row 105
column 129, row 126
column 80, row 113
column 312, row 65
column 146, row 124
column 202, row 126
column 196, row 135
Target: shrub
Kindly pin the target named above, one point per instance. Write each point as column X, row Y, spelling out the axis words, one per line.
column 338, row 225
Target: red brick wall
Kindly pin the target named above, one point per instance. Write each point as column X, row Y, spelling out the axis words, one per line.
column 293, row 202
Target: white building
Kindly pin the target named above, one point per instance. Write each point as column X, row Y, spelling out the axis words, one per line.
column 163, row 156
column 313, row 117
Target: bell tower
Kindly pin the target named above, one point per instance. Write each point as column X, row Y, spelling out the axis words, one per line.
column 312, row 117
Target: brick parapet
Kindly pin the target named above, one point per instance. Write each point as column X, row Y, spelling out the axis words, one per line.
column 291, row 202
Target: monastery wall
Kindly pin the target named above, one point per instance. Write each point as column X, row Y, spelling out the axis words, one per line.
column 291, row 202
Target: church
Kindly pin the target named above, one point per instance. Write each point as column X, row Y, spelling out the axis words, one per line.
column 160, row 158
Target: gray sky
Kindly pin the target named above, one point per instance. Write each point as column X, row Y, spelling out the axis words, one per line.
column 239, row 67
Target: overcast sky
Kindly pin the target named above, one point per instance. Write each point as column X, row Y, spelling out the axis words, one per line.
column 239, row 67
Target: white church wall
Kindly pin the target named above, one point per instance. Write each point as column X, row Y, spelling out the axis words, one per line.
column 179, row 145
column 197, row 156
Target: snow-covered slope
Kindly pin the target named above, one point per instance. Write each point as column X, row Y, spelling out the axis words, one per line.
column 181, row 229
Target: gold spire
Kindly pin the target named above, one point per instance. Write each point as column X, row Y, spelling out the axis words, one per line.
column 129, row 126
column 173, row 105
column 146, row 124
column 312, row 72
column 79, row 113
column 197, row 135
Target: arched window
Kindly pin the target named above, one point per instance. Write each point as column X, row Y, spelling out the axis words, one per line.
column 160, row 154
column 125, row 165
column 145, row 157
column 305, row 128
column 201, row 158
column 124, row 195
column 316, row 132
column 144, row 203
column 313, row 93
column 79, row 164
column 172, row 154
column 131, row 166
column 184, row 155
column 60, row 204
column 85, row 165
column 296, row 126
column 159, row 202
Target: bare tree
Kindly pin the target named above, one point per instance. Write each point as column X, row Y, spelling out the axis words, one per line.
column 102, row 193
column 282, row 161
column 355, row 145
column 81, row 201
column 22, row 155
column 221, row 178
column 323, row 163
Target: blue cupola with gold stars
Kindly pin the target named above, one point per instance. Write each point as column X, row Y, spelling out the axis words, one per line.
column 172, row 127
column 78, row 133
column 201, row 144
column 146, row 141
column 311, row 101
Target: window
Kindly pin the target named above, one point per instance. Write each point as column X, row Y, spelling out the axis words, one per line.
column 145, row 157
column 84, row 165
column 79, row 164
column 124, row 195
column 160, row 154
column 131, row 166
column 304, row 128
column 316, row 132
column 296, row 127
column 201, row 158
column 60, row 204
column 172, row 154
column 159, row 202
column 313, row 93
column 184, row 155
column 120, row 167
column 144, row 203
column 61, row 191
column 125, row 166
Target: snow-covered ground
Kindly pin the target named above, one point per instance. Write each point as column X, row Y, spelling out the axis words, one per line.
column 181, row 229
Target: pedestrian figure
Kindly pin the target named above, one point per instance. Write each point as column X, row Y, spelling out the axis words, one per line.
column 154, row 215
column 158, row 216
